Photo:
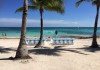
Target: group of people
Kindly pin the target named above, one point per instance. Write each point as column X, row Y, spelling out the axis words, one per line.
column 4, row 35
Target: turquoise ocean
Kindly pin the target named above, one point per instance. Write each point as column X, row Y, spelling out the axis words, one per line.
column 49, row 31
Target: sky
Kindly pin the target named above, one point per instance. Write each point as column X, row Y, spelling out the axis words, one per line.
column 82, row 16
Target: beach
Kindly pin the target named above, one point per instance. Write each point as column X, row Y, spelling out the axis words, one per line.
column 49, row 35
column 65, row 57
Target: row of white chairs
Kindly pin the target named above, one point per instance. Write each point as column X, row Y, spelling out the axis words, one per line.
column 33, row 42
column 55, row 41
column 63, row 41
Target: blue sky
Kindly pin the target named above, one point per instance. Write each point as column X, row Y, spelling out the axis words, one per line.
column 82, row 16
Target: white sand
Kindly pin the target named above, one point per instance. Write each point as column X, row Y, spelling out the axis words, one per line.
column 68, row 57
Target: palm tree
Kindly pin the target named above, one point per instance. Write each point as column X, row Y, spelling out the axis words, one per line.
column 97, row 4
column 46, row 6
column 41, row 5
column 22, row 51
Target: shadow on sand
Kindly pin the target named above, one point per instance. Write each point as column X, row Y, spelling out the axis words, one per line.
column 54, row 52
column 6, row 58
column 6, row 50
column 87, row 48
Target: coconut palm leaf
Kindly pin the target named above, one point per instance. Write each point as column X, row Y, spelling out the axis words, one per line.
column 33, row 7
column 29, row 7
column 19, row 9
column 96, row 2
column 58, row 9
column 33, row 2
column 81, row 1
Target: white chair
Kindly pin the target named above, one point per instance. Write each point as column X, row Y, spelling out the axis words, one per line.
column 63, row 41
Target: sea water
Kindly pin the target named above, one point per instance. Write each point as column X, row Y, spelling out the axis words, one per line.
column 49, row 31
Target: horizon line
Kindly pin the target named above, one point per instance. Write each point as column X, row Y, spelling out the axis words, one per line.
column 77, row 27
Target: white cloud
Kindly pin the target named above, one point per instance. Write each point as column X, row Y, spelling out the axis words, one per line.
column 15, row 20
column 10, row 20
column 75, row 22
column 35, row 22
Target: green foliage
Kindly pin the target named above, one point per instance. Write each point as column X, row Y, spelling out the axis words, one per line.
column 49, row 5
column 94, row 2
column 79, row 2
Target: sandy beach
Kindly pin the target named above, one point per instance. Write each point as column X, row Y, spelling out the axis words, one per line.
column 58, row 34
column 65, row 57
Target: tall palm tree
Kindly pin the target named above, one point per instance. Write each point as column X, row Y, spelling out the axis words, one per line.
column 22, row 51
column 41, row 5
column 97, row 4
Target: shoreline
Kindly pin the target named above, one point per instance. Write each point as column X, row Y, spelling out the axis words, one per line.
column 76, row 37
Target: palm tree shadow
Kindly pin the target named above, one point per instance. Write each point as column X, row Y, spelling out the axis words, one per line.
column 70, row 50
column 10, row 58
column 45, row 51
column 6, row 50
column 54, row 52
column 89, row 49
column 75, row 51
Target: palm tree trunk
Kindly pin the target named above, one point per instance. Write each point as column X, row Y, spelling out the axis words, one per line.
column 22, row 51
column 94, row 41
column 41, row 30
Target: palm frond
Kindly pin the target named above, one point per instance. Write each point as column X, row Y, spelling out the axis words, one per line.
column 29, row 7
column 79, row 2
column 19, row 9
column 49, row 5
column 55, row 5
column 56, row 9
column 33, row 2
column 96, row 2
column 33, row 7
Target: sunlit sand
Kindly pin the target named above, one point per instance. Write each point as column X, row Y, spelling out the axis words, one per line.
column 64, row 57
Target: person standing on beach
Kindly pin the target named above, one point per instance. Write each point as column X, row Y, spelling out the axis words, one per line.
column 2, row 35
column 5, row 35
column 56, row 32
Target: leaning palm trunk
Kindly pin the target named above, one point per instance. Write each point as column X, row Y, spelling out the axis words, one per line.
column 22, row 51
column 41, row 30
column 94, row 41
